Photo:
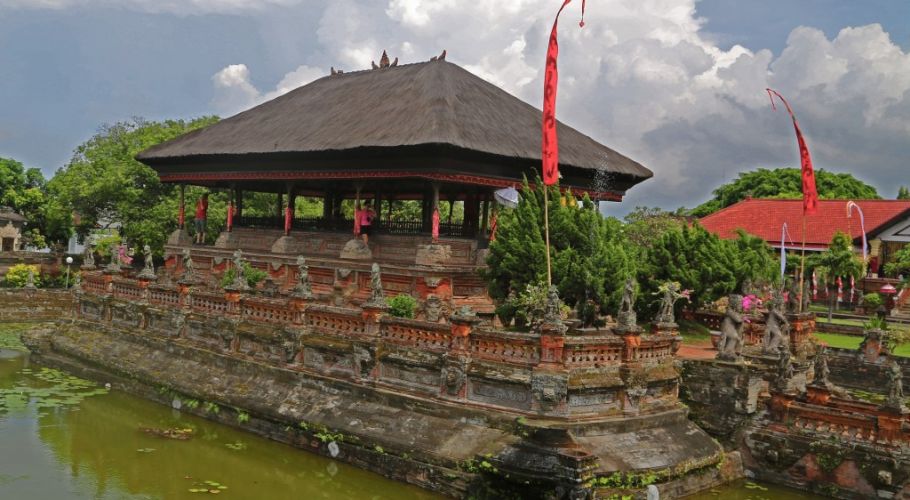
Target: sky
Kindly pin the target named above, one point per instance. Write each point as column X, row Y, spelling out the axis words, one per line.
column 677, row 85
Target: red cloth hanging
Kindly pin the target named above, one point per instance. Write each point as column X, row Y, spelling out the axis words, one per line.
column 493, row 226
column 810, row 194
column 357, row 220
column 230, row 216
column 549, row 141
column 288, row 219
column 435, row 224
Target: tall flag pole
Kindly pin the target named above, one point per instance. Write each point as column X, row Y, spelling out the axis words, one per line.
column 851, row 206
column 549, row 140
column 810, row 194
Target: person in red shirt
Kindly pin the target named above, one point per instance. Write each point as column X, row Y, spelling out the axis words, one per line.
column 202, row 207
column 365, row 216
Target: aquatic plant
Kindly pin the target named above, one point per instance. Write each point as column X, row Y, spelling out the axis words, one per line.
column 55, row 389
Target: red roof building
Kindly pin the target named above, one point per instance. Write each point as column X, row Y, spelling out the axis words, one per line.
column 765, row 218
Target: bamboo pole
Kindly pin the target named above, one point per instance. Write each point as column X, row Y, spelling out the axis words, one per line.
column 546, row 229
column 802, row 267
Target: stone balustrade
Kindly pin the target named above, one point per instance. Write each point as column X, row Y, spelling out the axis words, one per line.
column 600, row 373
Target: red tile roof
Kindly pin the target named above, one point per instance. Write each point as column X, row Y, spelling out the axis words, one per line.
column 765, row 218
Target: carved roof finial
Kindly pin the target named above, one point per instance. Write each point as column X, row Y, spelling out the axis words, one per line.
column 440, row 57
column 384, row 60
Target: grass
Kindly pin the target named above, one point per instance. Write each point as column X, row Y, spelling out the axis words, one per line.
column 693, row 332
column 853, row 342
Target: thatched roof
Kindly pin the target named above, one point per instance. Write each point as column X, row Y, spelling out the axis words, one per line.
column 7, row 214
column 431, row 108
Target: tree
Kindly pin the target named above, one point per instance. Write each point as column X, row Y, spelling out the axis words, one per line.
column 900, row 263
column 590, row 261
column 23, row 190
column 645, row 225
column 903, row 193
column 103, row 185
column 784, row 183
column 839, row 260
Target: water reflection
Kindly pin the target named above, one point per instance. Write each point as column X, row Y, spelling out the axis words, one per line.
column 96, row 450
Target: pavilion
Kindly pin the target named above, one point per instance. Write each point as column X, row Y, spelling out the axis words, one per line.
column 428, row 132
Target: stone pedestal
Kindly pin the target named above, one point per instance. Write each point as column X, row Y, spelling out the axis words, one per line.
column 433, row 254
column 802, row 326
column 356, row 249
column 371, row 314
column 227, row 240
column 285, row 244
column 180, row 237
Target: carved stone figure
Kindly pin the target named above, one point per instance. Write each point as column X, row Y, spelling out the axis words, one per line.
column 776, row 326
column 433, row 308
column 747, row 288
column 549, row 390
column 454, row 378
column 113, row 266
column 364, row 361
column 807, row 295
column 189, row 272
column 821, row 369
column 552, row 314
column 148, row 272
column 731, row 340
column 793, row 298
column 784, row 368
column 30, row 281
column 627, row 319
column 670, row 294
column 377, row 296
column 88, row 262
column 303, row 289
column 895, row 385
column 77, row 282
column 239, row 282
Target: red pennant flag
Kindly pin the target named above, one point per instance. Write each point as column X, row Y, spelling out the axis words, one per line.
column 550, row 143
column 288, row 218
column 810, row 195
column 493, row 226
column 230, row 216
column 435, row 224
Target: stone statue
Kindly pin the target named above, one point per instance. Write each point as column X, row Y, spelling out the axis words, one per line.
column 88, row 262
column 239, row 282
column 30, row 281
column 895, row 385
column 670, row 293
column 552, row 313
column 189, row 272
column 776, row 326
column 433, row 308
column 807, row 295
column 784, row 368
column 377, row 296
column 627, row 319
column 821, row 369
column 113, row 266
column 77, row 281
column 148, row 272
column 731, row 340
column 303, row 289
column 793, row 298
column 747, row 287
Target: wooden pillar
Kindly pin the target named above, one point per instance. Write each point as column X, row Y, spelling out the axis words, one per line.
column 181, row 215
column 289, row 209
column 239, row 195
column 327, row 199
column 279, row 204
column 486, row 214
column 230, row 210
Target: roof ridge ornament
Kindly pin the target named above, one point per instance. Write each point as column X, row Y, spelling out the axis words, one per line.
column 440, row 57
column 335, row 72
column 384, row 62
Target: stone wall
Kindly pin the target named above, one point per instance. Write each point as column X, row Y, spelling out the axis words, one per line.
column 722, row 397
column 20, row 305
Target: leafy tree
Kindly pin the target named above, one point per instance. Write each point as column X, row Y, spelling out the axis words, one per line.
column 903, row 193
column 23, row 190
column 900, row 263
column 839, row 260
column 645, row 225
column 699, row 260
column 104, row 185
column 784, row 183
column 589, row 260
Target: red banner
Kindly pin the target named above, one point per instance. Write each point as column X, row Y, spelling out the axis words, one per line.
column 810, row 195
column 357, row 210
column 549, row 142
column 435, row 224
column 493, row 226
column 288, row 218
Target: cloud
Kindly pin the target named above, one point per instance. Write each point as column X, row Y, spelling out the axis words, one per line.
column 643, row 78
column 233, row 91
column 181, row 7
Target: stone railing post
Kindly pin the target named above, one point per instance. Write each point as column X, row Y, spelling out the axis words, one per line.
column 233, row 297
column 371, row 313
column 186, row 300
column 456, row 361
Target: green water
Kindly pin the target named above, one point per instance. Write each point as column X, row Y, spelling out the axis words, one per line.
column 748, row 490
column 53, row 447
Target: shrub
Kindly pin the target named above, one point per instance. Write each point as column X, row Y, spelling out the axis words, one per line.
column 402, row 306
column 872, row 301
column 17, row 276
column 253, row 276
